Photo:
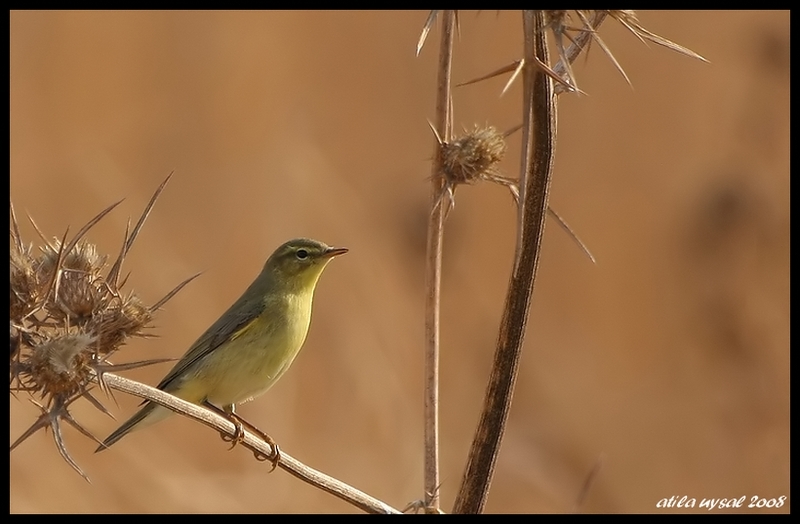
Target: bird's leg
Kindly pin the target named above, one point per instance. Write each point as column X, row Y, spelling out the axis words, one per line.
column 276, row 452
column 239, row 422
column 229, row 412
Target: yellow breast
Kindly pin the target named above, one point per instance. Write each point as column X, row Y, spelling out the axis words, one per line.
column 254, row 358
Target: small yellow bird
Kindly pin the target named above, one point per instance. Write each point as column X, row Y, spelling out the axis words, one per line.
column 252, row 344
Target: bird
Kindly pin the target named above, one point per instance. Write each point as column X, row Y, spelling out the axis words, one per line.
column 250, row 346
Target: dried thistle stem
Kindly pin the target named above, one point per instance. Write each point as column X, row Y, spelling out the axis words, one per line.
column 574, row 50
column 538, row 142
column 433, row 268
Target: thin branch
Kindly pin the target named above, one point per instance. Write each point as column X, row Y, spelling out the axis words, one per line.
column 433, row 268
column 538, row 142
column 258, row 446
column 581, row 41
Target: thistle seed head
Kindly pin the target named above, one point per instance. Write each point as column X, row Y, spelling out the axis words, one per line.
column 59, row 366
column 67, row 316
column 473, row 156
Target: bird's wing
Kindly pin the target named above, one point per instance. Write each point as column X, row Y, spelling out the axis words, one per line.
column 237, row 318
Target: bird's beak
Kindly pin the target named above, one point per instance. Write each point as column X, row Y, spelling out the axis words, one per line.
column 335, row 252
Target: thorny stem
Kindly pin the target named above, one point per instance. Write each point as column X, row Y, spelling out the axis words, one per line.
column 257, row 445
column 575, row 49
column 538, row 142
column 433, row 270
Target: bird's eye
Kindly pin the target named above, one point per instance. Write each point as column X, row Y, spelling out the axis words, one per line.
column 301, row 254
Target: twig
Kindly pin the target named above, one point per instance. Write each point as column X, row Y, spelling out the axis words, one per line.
column 538, row 142
column 257, row 445
column 433, row 269
column 581, row 41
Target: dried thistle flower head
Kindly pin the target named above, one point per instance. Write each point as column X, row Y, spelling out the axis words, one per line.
column 60, row 366
column 81, row 288
column 476, row 156
column 25, row 285
column 468, row 158
column 67, row 316
column 472, row 157
column 122, row 318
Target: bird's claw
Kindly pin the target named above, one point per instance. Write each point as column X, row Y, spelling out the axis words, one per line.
column 238, row 438
column 238, row 434
column 276, row 453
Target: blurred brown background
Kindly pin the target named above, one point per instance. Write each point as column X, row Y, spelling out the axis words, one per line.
column 668, row 360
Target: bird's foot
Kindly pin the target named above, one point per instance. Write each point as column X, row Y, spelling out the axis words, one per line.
column 238, row 438
column 238, row 432
column 276, row 451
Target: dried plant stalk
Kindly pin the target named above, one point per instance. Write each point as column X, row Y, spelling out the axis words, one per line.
column 539, row 127
column 538, row 132
column 433, row 269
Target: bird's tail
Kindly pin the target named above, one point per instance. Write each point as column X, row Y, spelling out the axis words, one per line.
column 149, row 414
